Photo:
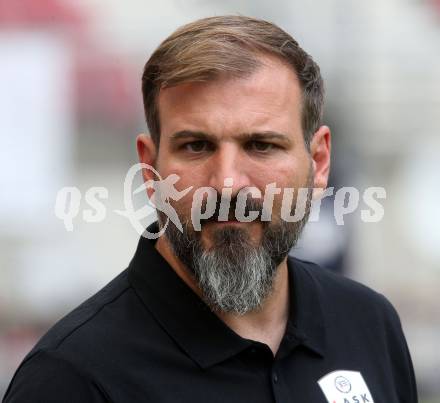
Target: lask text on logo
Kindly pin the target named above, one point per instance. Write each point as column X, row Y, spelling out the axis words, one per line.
column 345, row 387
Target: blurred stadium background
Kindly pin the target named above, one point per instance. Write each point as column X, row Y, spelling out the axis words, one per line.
column 70, row 108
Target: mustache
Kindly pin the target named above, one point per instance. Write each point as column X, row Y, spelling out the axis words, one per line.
column 225, row 206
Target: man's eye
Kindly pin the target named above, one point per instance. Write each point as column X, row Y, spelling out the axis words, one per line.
column 197, row 146
column 261, row 146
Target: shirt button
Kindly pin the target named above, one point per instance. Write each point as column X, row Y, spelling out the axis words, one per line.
column 275, row 377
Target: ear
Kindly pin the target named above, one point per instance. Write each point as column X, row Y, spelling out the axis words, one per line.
column 147, row 154
column 320, row 151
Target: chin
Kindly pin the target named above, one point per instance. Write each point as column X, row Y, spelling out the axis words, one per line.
column 253, row 230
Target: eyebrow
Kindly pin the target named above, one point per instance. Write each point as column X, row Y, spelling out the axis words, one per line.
column 256, row 136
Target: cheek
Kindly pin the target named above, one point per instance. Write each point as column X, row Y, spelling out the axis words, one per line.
column 188, row 178
column 189, row 175
column 285, row 178
column 289, row 170
column 183, row 208
column 282, row 177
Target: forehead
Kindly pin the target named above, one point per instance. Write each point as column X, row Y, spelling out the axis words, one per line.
column 267, row 99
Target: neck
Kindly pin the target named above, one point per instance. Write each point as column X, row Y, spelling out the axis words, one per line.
column 267, row 324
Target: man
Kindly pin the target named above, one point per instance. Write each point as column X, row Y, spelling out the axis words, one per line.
column 222, row 314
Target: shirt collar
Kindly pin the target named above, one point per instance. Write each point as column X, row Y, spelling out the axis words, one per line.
column 195, row 328
column 306, row 324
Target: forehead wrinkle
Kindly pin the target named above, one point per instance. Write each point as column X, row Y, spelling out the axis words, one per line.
column 219, row 124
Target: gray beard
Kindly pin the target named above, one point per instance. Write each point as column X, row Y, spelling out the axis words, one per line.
column 234, row 275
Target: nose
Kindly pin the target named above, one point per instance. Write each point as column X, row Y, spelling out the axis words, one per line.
column 229, row 169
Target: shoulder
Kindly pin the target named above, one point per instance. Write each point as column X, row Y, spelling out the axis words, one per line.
column 87, row 317
column 354, row 309
column 345, row 297
column 61, row 363
column 356, row 315
column 48, row 377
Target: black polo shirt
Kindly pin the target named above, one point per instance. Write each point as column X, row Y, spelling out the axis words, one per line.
column 147, row 337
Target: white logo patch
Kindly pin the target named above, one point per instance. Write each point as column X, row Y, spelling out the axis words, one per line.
column 345, row 387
